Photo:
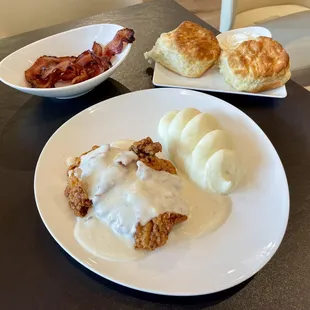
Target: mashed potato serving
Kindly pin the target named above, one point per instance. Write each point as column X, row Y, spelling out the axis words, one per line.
column 198, row 146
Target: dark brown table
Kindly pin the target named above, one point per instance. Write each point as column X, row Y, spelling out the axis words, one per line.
column 37, row 274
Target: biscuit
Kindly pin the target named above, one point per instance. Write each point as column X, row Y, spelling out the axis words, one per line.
column 188, row 50
column 255, row 65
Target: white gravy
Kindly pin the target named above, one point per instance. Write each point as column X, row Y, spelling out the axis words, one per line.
column 208, row 211
column 98, row 239
column 123, row 196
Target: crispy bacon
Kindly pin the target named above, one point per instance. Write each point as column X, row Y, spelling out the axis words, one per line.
column 93, row 64
column 48, row 70
column 97, row 49
column 116, row 45
column 42, row 74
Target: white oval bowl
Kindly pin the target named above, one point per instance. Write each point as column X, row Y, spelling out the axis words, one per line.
column 68, row 43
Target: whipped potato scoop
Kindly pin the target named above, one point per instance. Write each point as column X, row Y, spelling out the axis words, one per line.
column 222, row 171
column 198, row 146
column 175, row 128
column 196, row 128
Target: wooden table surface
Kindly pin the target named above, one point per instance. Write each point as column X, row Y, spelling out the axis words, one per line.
column 37, row 274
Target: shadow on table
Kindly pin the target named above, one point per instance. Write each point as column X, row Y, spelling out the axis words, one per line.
column 38, row 118
column 248, row 102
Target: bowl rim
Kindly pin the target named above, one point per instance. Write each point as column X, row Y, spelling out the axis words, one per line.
column 68, row 87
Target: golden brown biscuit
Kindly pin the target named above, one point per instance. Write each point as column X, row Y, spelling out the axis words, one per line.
column 188, row 50
column 256, row 65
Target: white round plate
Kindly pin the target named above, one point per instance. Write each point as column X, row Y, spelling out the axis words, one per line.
column 211, row 263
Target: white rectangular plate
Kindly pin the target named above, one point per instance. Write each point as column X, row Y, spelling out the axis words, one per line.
column 212, row 80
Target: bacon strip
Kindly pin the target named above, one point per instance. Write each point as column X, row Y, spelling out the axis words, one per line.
column 48, row 70
column 97, row 49
column 93, row 64
column 41, row 74
column 116, row 45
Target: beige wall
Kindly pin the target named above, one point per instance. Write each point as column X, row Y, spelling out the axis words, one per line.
column 17, row 16
column 208, row 10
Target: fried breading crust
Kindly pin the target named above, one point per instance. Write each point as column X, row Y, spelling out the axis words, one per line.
column 77, row 196
column 146, row 150
column 146, row 147
column 155, row 233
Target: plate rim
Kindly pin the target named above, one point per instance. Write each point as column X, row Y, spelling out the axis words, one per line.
column 219, row 91
column 248, row 275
